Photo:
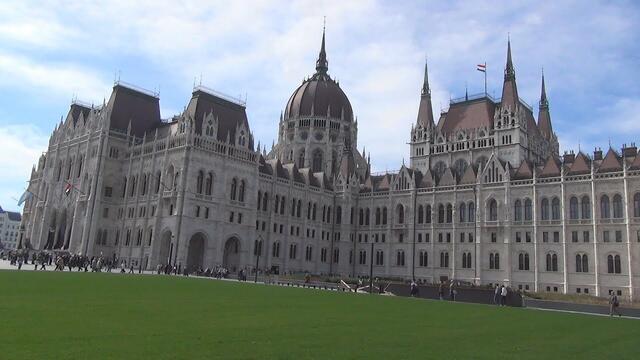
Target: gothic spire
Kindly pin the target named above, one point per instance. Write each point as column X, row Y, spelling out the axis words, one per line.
column 425, row 110
column 425, row 84
column 321, row 64
column 543, row 94
column 509, row 88
column 544, row 117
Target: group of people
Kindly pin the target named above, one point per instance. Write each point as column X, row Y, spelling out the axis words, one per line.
column 453, row 290
column 500, row 295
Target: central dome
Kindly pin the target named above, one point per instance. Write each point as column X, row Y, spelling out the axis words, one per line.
column 319, row 95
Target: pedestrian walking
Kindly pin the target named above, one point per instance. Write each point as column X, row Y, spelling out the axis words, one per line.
column 614, row 305
column 503, row 295
column 441, row 290
column 496, row 295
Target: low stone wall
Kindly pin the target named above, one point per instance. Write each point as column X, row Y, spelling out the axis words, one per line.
column 465, row 294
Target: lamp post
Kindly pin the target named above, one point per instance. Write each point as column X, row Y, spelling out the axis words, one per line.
column 371, row 271
column 258, row 252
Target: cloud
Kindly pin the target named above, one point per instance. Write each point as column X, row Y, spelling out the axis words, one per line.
column 22, row 144
column 44, row 78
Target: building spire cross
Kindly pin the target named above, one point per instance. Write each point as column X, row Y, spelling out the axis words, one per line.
column 322, row 64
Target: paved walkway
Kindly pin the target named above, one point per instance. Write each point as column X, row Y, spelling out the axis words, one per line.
column 542, row 305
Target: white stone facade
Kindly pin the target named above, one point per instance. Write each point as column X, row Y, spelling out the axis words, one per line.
column 192, row 190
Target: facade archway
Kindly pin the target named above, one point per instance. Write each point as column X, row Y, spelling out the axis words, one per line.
column 166, row 253
column 195, row 252
column 231, row 259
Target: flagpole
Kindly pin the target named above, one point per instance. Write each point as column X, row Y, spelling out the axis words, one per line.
column 485, row 78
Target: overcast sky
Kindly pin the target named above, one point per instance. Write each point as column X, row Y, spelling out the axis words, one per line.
column 51, row 52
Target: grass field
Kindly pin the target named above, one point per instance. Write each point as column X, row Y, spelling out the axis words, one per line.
column 110, row 316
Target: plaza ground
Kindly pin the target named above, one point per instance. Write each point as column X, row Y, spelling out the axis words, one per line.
column 47, row 315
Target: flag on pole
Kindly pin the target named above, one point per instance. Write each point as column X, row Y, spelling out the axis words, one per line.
column 481, row 67
column 25, row 196
column 67, row 189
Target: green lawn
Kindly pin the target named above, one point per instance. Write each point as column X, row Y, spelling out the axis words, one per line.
column 111, row 316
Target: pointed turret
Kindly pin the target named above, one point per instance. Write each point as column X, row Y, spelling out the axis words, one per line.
column 321, row 64
column 347, row 163
column 509, row 88
column 425, row 110
column 544, row 118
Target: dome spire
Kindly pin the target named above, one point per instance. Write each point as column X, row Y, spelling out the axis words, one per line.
column 322, row 65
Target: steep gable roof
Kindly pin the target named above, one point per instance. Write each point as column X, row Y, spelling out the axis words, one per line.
column 447, row 178
column 551, row 168
column 635, row 165
column 611, row 162
column 469, row 177
column 524, row 171
column 581, row 165
column 466, row 115
column 427, row 180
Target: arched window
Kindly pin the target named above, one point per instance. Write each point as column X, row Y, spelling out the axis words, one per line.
column 523, row 261
column 176, row 180
column 234, row 189
column 265, row 201
column 440, row 214
column 338, row 213
column 124, row 187
column 400, row 214
column 636, row 205
column 471, row 210
column 80, row 160
column 378, row 216
column 494, row 261
column 582, row 263
column 420, row 214
column 132, row 189
column 317, row 161
column 158, row 181
column 367, row 215
column 555, row 209
column 208, row 184
column 462, row 213
column 528, row 215
column 400, row 258
column 605, row 211
column 241, row 191
column 573, row 208
column 300, row 207
column 199, row 182
column 259, row 199
column 493, row 210
column 544, row 209
column 361, row 217
column 613, row 264
column 449, row 213
column 427, row 215
column 282, row 204
column 586, row 207
column 145, row 179
column 517, row 210
column 384, row 215
column 466, row 260
column 444, row 259
column 301, row 159
column 423, row 258
column 617, row 206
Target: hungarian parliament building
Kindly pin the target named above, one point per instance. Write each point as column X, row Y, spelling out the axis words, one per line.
column 486, row 198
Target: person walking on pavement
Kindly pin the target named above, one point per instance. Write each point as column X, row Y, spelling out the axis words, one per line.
column 614, row 304
column 503, row 295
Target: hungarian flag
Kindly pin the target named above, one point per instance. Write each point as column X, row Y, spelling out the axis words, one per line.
column 482, row 67
column 67, row 189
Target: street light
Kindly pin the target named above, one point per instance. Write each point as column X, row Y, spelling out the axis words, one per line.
column 258, row 252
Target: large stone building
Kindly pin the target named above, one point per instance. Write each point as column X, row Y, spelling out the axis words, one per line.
column 486, row 199
column 9, row 229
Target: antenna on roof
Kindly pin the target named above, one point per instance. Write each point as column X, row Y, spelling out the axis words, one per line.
column 200, row 79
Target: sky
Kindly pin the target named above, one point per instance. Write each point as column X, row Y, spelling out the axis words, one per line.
column 54, row 51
